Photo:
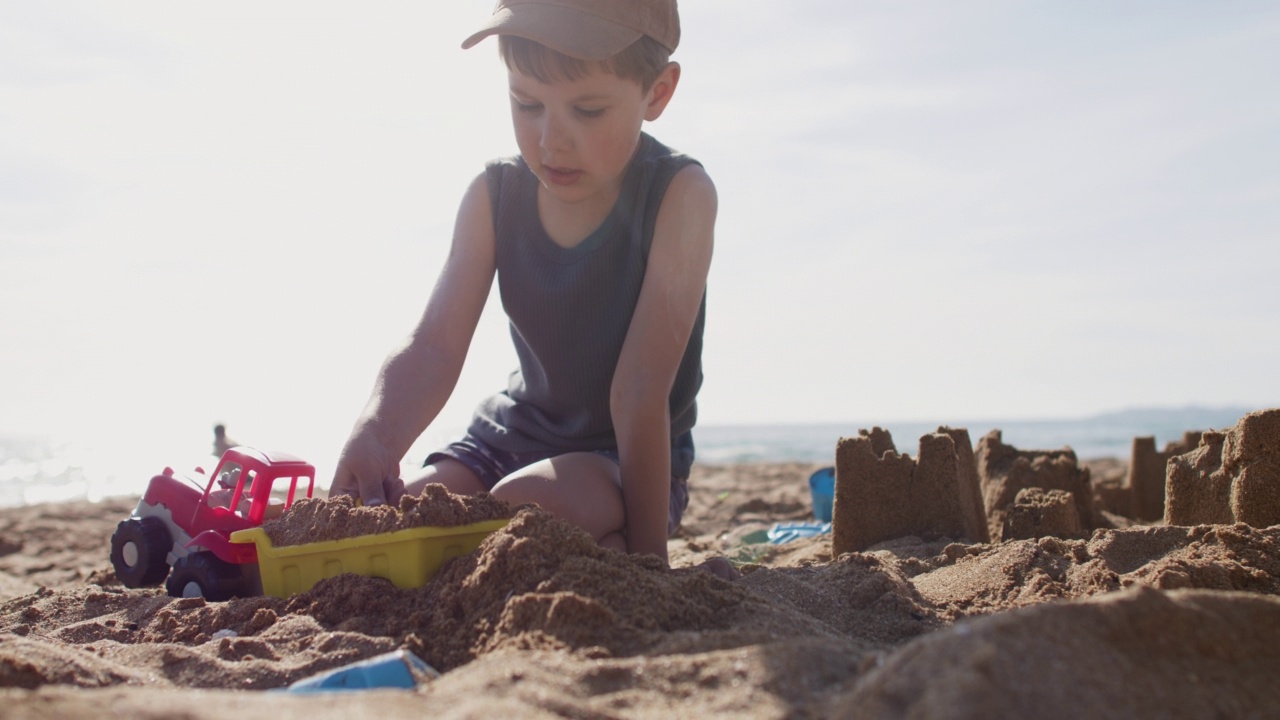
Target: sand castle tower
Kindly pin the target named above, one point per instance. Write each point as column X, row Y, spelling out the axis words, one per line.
column 881, row 495
column 1037, row 513
column 1148, row 468
column 1004, row 471
column 1231, row 477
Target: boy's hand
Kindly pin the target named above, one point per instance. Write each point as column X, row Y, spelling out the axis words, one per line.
column 367, row 470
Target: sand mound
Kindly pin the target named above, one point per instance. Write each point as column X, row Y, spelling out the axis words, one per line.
column 316, row 519
column 983, row 579
column 1138, row 654
column 541, row 584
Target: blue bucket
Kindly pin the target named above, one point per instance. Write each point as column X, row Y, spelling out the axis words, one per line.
column 822, row 485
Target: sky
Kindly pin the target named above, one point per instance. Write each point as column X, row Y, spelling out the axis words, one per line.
column 928, row 210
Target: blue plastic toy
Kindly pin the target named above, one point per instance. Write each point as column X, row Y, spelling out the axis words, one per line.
column 786, row 532
column 398, row 669
column 822, row 485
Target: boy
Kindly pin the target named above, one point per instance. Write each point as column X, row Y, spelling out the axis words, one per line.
column 221, row 443
column 601, row 240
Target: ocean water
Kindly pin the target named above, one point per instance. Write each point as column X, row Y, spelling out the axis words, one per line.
column 35, row 469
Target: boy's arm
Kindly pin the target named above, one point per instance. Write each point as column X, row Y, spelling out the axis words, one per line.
column 674, row 284
column 419, row 375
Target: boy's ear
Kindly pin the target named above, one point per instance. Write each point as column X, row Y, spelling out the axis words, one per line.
column 663, row 88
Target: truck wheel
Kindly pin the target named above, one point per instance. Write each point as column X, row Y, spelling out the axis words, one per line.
column 139, row 549
column 202, row 574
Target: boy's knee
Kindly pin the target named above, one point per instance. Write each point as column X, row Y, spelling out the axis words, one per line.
column 562, row 481
column 456, row 477
column 525, row 486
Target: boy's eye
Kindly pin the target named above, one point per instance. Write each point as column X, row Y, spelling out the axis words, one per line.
column 589, row 112
column 528, row 107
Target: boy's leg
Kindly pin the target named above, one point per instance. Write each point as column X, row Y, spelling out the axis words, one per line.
column 455, row 476
column 583, row 488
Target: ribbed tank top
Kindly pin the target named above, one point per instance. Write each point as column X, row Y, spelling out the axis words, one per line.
column 570, row 308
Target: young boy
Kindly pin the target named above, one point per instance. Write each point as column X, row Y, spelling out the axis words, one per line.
column 601, row 239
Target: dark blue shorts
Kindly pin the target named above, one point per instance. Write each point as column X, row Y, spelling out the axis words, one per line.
column 491, row 465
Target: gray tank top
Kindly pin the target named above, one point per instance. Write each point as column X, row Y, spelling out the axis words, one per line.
column 570, row 308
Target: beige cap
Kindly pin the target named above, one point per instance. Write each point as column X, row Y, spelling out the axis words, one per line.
column 584, row 29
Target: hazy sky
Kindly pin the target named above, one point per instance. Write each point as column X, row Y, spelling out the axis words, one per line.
column 932, row 210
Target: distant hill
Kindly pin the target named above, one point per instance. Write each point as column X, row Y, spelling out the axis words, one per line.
column 1214, row 417
column 1108, row 434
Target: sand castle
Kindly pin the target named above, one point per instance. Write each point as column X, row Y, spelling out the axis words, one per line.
column 1001, row 493
column 1233, row 476
column 1148, row 470
column 1004, row 471
column 881, row 495
column 1038, row 513
column 998, row 493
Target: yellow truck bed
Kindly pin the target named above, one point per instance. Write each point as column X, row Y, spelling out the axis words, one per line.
column 408, row 558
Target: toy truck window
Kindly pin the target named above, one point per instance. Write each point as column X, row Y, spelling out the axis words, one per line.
column 226, row 486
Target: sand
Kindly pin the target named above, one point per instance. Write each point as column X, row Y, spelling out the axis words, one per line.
column 1127, row 621
column 318, row 519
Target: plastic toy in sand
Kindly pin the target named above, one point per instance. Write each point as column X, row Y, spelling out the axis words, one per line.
column 180, row 531
column 209, row 530
column 398, row 669
column 822, row 488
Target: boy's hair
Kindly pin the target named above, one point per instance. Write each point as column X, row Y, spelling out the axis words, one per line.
column 641, row 61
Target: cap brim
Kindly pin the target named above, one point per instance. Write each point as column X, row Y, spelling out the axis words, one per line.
column 564, row 30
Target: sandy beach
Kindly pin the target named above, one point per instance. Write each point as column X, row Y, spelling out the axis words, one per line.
column 1124, row 620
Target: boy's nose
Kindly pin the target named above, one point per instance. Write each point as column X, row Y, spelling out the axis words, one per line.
column 554, row 136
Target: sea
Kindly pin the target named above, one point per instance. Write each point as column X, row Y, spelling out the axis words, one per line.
column 39, row 469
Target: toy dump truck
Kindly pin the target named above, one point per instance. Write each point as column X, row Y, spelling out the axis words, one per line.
column 209, row 531
column 185, row 523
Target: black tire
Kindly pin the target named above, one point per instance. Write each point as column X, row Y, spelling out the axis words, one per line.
column 140, row 550
column 202, row 574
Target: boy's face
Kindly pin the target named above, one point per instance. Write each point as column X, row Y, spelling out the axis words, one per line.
column 577, row 136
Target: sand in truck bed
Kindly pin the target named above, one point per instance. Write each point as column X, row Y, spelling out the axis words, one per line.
column 316, row 520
